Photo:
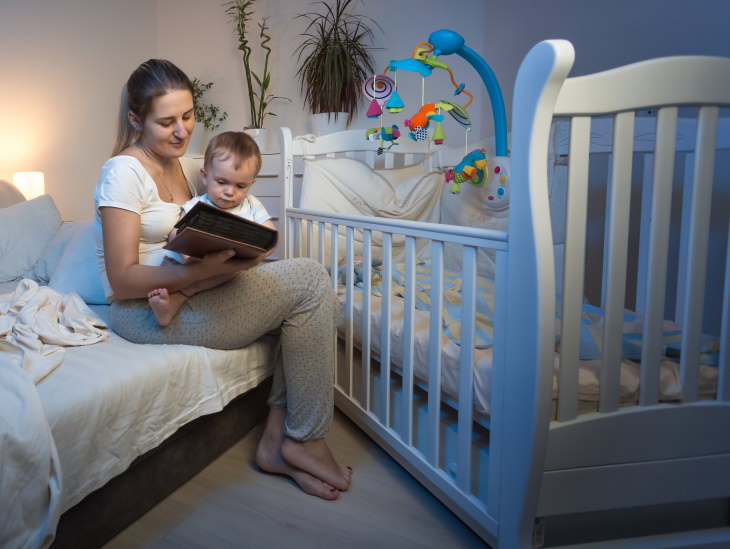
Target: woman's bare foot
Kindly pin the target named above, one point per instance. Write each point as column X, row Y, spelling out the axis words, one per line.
column 164, row 305
column 315, row 458
column 269, row 459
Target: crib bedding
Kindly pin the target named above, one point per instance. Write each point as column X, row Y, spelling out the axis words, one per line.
column 589, row 371
column 109, row 403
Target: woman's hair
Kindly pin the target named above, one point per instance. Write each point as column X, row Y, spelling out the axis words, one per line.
column 149, row 81
column 239, row 145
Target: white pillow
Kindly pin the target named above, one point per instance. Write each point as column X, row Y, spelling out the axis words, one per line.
column 52, row 255
column 25, row 231
column 78, row 269
column 349, row 186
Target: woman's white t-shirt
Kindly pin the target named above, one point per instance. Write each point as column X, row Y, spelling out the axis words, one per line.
column 125, row 184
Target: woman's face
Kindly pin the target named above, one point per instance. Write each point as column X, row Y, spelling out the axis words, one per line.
column 167, row 128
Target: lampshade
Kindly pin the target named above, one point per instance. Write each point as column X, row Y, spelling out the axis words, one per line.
column 31, row 184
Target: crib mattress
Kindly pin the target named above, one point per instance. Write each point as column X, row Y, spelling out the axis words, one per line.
column 589, row 372
column 112, row 402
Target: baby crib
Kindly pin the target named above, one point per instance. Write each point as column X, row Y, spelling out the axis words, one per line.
column 553, row 379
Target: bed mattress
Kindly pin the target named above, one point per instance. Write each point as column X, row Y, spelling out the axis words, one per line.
column 589, row 372
column 109, row 403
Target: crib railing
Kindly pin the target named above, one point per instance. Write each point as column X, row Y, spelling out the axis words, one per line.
column 406, row 410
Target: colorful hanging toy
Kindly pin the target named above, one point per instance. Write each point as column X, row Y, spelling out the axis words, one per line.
column 491, row 174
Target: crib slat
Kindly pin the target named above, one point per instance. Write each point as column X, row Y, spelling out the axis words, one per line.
column 697, row 251
column 334, row 254
column 349, row 296
column 574, row 260
column 320, row 242
column 365, row 319
column 644, row 224
column 385, row 327
column 666, row 129
column 723, row 374
column 616, row 250
column 434, row 353
column 409, row 307
column 466, row 368
column 499, row 364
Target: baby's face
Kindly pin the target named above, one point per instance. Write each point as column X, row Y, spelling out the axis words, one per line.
column 227, row 186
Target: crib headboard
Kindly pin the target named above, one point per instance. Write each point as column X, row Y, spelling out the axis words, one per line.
column 666, row 91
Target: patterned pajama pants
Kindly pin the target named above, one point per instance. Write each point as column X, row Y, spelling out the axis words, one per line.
column 291, row 297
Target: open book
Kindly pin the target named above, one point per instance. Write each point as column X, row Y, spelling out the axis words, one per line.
column 205, row 229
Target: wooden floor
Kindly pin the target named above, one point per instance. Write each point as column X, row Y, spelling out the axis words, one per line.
column 232, row 504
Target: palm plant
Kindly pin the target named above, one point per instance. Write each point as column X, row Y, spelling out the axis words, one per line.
column 259, row 98
column 334, row 58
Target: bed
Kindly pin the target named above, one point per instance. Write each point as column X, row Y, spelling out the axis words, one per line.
column 95, row 430
column 553, row 368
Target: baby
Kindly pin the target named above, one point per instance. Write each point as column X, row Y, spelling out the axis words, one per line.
column 232, row 162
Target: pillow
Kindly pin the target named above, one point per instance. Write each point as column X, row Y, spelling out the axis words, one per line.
column 52, row 255
column 349, row 186
column 25, row 231
column 468, row 209
column 78, row 268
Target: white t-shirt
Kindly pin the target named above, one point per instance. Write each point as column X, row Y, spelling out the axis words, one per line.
column 250, row 208
column 125, row 184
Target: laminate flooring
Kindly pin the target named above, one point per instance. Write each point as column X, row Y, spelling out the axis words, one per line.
column 231, row 504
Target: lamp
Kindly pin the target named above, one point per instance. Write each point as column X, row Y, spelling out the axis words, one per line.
column 31, row 184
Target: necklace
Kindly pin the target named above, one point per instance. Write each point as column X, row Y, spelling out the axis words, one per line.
column 162, row 179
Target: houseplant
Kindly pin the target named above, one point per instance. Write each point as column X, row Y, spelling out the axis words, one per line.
column 207, row 114
column 259, row 96
column 335, row 57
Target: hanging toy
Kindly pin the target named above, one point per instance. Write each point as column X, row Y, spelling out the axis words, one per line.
column 395, row 103
column 438, row 134
column 471, row 168
column 378, row 87
column 386, row 135
column 374, row 110
column 419, row 122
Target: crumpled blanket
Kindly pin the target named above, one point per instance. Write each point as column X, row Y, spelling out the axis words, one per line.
column 36, row 322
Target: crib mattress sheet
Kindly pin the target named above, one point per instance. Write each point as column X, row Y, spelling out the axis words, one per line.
column 589, row 371
column 111, row 402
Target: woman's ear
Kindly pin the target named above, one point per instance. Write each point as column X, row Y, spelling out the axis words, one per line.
column 134, row 120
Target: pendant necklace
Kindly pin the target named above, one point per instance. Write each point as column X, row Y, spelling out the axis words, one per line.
column 162, row 179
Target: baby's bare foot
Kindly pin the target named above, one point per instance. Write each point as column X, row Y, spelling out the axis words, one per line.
column 269, row 459
column 315, row 458
column 161, row 304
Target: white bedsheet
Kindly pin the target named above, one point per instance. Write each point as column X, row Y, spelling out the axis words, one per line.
column 110, row 403
column 30, row 476
column 37, row 322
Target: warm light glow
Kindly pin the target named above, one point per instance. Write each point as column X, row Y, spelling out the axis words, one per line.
column 31, row 184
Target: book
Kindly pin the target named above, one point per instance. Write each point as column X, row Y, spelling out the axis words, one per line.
column 206, row 229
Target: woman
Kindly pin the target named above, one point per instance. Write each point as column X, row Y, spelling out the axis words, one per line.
column 138, row 198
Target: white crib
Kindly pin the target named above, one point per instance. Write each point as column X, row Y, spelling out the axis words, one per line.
column 530, row 439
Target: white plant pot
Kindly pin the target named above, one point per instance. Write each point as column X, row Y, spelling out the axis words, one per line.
column 261, row 136
column 329, row 122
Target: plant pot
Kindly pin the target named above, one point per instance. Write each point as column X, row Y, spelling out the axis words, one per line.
column 329, row 122
column 261, row 136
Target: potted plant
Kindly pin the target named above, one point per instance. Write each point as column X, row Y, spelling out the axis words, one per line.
column 259, row 96
column 335, row 58
column 207, row 115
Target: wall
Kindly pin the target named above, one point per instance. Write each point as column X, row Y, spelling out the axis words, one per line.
column 604, row 34
column 63, row 63
column 209, row 52
column 62, row 67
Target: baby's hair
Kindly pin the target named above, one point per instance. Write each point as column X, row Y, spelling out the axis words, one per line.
column 152, row 79
column 239, row 145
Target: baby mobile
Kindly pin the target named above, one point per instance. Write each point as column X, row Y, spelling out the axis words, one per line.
column 382, row 92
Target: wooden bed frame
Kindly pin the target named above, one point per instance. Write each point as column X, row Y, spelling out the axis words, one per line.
column 538, row 469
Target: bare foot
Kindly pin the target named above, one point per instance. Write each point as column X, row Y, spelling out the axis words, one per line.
column 269, row 459
column 164, row 305
column 315, row 458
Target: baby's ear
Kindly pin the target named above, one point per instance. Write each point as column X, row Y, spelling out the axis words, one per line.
column 203, row 174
